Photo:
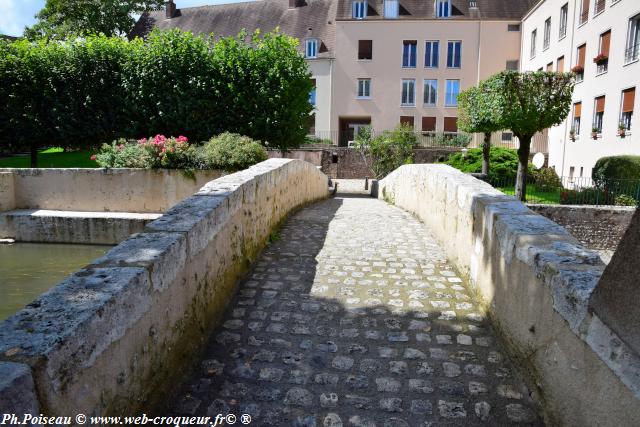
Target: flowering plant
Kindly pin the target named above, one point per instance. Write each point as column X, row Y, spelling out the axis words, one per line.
column 578, row 69
column 149, row 153
column 600, row 59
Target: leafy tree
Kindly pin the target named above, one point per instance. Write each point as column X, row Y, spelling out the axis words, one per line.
column 60, row 19
column 475, row 116
column 528, row 103
column 387, row 151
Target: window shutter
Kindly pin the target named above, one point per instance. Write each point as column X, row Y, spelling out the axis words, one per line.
column 582, row 50
column 605, row 41
column 577, row 109
column 560, row 66
column 406, row 120
column 428, row 124
column 550, row 66
column 365, row 49
column 600, row 104
column 585, row 6
column 451, row 124
column 628, row 99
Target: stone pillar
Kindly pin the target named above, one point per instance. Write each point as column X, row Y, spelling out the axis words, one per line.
column 7, row 192
column 17, row 392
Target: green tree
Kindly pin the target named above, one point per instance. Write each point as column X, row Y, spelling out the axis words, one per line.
column 388, row 151
column 528, row 103
column 475, row 116
column 60, row 19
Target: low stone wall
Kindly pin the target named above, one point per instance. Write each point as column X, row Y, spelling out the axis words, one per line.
column 47, row 226
column 113, row 336
column 535, row 281
column 98, row 190
column 597, row 227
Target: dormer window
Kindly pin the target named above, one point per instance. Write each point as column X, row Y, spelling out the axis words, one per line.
column 359, row 9
column 391, row 8
column 311, row 48
column 443, row 8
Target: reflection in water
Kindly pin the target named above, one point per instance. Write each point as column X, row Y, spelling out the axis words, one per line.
column 29, row 269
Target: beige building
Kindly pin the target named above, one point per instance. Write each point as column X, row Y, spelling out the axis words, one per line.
column 559, row 35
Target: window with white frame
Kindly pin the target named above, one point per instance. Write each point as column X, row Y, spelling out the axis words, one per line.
column 454, row 54
column 564, row 15
column 311, row 48
column 547, row 34
column 312, row 94
column 633, row 40
column 430, row 92
column 431, row 53
column 408, row 92
column 626, row 108
column 452, row 92
column 364, row 88
column 359, row 9
column 443, row 8
column 598, row 114
column 409, row 48
column 534, row 36
column 391, row 8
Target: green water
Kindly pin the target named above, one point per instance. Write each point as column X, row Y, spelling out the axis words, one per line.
column 29, row 269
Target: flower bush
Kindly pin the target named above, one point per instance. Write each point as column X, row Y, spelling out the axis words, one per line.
column 152, row 153
column 232, row 152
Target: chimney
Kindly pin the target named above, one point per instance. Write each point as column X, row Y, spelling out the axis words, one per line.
column 170, row 9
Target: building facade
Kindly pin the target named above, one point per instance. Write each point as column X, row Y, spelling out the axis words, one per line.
column 599, row 40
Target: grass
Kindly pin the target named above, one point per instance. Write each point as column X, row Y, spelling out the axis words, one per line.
column 52, row 158
column 534, row 195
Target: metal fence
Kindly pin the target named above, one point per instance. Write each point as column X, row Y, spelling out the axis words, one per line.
column 574, row 190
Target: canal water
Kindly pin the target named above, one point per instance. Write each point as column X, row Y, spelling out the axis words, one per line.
column 29, row 269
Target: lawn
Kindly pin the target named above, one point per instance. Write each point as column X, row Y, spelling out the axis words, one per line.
column 535, row 196
column 52, row 158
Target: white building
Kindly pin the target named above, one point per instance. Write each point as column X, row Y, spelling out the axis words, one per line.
column 558, row 35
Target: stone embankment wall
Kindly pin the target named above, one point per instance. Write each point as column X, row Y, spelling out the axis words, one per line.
column 597, row 227
column 98, row 190
column 114, row 335
column 535, row 281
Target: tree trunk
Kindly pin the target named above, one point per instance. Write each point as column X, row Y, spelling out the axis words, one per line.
column 34, row 154
column 523, row 162
column 486, row 151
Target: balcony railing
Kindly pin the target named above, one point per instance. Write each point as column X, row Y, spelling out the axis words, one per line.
column 599, row 6
column 602, row 68
column 584, row 17
column 631, row 54
column 563, row 30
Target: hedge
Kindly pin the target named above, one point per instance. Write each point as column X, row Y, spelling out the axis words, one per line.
column 86, row 92
column 616, row 168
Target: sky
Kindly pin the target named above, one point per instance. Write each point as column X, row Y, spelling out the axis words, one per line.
column 17, row 14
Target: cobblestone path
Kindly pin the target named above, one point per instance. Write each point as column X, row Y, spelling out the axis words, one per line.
column 355, row 318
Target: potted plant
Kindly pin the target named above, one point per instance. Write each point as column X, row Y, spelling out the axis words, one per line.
column 594, row 132
column 572, row 134
column 578, row 69
column 601, row 59
column 622, row 130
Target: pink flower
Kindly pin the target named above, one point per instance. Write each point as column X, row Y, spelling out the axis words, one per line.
column 94, row 157
column 142, row 141
column 182, row 138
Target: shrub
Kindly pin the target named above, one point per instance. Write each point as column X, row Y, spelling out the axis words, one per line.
column 586, row 196
column 625, row 200
column 449, row 140
column 387, row 151
column 232, row 152
column 546, row 179
column 315, row 140
column 504, row 163
column 616, row 167
column 153, row 153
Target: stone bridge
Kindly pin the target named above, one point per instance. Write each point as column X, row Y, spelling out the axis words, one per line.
column 444, row 302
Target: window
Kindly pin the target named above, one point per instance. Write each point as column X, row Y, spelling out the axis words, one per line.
column 454, row 54
column 626, row 111
column 311, row 48
column 473, row 3
column 547, row 34
column 365, row 49
column 579, row 68
column 409, row 48
column 359, row 9
column 598, row 7
column 534, row 36
column 451, row 96
column 431, row 53
column 577, row 111
column 513, row 27
column 428, row 124
column 549, row 66
column 364, row 88
column 312, row 94
column 598, row 114
column 564, row 15
column 391, row 9
column 602, row 60
column 443, row 8
column 560, row 64
column 633, row 40
column 406, row 121
column 430, row 92
column 408, row 92
column 507, row 137
column 513, row 65
column 451, row 124
column 584, row 12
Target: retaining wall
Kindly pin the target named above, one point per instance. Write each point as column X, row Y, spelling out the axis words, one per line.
column 535, row 281
column 115, row 335
column 98, row 190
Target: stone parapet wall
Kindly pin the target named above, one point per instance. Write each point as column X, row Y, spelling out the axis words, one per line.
column 116, row 335
column 98, row 190
column 597, row 227
column 535, row 281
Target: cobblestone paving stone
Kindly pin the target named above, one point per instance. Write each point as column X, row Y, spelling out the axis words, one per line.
column 355, row 318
